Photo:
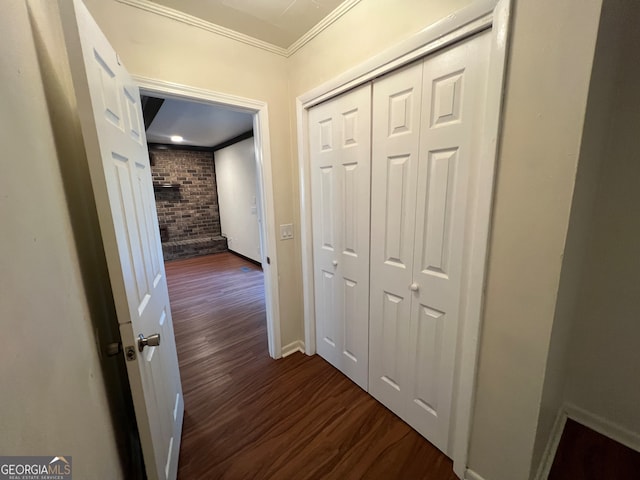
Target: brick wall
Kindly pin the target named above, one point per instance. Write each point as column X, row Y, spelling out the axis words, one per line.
column 190, row 211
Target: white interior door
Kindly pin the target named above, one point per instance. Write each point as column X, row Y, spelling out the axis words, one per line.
column 427, row 119
column 396, row 140
column 113, row 131
column 340, row 150
column 454, row 88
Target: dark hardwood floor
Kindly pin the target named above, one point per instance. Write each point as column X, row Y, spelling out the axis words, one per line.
column 587, row 455
column 248, row 416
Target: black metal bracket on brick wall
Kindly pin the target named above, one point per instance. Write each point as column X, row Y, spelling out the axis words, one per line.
column 166, row 186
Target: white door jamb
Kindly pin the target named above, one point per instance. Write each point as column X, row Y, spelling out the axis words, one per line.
column 265, row 184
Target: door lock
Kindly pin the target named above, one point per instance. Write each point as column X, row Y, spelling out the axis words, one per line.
column 150, row 341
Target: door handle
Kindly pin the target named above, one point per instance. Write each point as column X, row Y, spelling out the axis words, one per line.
column 151, row 341
column 335, row 263
column 414, row 287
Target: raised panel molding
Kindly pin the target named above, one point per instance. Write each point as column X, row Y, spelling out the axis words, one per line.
column 110, row 101
column 429, row 341
column 447, row 99
column 350, row 317
column 390, row 325
column 350, row 126
column 440, row 190
column 350, row 209
column 328, row 302
column 134, row 120
column 397, row 170
column 326, row 137
column 326, row 181
column 400, row 112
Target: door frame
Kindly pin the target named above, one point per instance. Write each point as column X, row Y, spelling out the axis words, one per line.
column 265, row 199
column 479, row 16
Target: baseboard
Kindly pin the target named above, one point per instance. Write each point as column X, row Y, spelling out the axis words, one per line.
column 244, row 257
column 471, row 475
column 606, row 427
column 293, row 347
column 552, row 446
column 588, row 419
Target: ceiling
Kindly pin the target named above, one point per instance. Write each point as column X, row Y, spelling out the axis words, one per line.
column 279, row 22
column 199, row 124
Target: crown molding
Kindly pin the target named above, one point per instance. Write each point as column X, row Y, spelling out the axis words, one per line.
column 178, row 16
column 335, row 14
column 199, row 23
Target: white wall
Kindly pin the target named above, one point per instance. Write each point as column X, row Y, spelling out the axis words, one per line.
column 604, row 353
column 575, row 265
column 53, row 400
column 545, row 103
column 236, row 181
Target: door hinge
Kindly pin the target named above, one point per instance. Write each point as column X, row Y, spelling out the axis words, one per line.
column 268, row 261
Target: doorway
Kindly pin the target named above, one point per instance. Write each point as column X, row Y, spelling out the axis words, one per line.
column 264, row 192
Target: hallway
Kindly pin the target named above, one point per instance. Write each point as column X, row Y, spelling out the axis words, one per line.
column 248, row 416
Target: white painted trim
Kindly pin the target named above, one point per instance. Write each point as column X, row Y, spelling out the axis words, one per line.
column 610, row 429
column 265, row 184
column 471, row 475
column 335, row 14
column 471, row 321
column 552, row 446
column 293, row 347
column 178, row 16
column 268, row 235
column 193, row 21
column 454, row 28
column 589, row 419
column 306, row 228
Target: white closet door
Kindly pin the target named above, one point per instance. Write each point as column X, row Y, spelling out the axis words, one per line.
column 340, row 139
column 396, row 129
column 454, row 86
column 426, row 119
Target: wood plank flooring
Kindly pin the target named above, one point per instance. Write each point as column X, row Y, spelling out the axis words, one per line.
column 587, row 455
column 250, row 417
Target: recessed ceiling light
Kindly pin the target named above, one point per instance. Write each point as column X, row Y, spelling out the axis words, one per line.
column 176, row 138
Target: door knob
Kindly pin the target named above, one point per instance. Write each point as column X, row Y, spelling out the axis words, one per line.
column 335, row 263
column 151, row 341
column 414, row 287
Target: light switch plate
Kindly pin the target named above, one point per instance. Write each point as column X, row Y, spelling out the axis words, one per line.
column 286, row 231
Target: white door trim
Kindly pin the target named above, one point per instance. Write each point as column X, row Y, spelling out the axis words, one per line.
column 265, row 184
column 477, row 17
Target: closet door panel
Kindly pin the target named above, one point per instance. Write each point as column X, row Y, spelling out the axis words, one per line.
column 340, row 144
column 354, row 110
column 326, row 191
column 454, row 83
column 396, row 121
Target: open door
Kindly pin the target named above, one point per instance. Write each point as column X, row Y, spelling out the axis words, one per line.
column 115, row 143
